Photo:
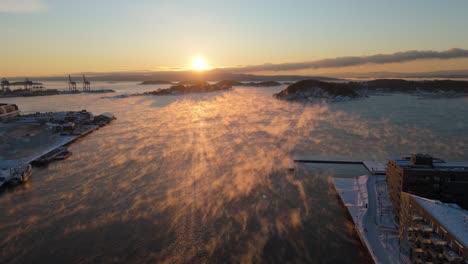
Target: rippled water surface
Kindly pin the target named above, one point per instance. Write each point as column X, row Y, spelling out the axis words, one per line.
column 203, row 178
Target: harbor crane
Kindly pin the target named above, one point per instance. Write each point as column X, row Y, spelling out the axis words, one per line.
column 5, row 85
column 71, row 84
column 28, row 85
column 86, row 84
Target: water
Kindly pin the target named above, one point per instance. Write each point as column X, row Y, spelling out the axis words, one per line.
column 203, row 178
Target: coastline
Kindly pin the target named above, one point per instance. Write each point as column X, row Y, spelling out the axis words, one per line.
column 363, row 203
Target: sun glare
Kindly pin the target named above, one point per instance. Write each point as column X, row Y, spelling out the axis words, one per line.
column 199, row 64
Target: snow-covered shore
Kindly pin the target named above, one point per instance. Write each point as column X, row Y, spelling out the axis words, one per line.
column 367, row 201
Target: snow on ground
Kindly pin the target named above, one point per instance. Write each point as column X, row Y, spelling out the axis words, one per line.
column 63, row 140
column 368, row 202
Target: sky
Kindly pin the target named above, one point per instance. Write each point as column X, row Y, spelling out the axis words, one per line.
column 57, row 37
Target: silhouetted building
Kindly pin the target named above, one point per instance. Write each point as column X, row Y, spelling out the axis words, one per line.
column 431, row 231
column 427, row 177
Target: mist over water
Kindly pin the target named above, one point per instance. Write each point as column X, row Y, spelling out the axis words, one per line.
column 203, row 178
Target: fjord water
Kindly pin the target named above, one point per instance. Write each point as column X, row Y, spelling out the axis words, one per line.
column 204, row 178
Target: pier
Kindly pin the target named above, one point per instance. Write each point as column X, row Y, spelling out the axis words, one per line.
column 54, row 130
column 367, row 202
column 374, row 167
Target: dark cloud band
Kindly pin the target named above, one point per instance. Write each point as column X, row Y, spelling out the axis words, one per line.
column 397, row 57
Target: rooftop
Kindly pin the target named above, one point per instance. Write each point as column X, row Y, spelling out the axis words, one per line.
column 442, row 166
column 453, row 218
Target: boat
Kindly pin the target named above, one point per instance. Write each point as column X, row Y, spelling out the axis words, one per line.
column 8, row 111
column 56, row 154
column 63, row 155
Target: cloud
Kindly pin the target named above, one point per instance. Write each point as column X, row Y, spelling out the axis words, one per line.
column 21, row 6
column 339, row 62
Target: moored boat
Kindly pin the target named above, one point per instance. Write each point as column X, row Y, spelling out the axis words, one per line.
column 56, row 154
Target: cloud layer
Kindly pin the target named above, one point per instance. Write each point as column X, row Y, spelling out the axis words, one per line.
column 21, row 6
column 338, row 62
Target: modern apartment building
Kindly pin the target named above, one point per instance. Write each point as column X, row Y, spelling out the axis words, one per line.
column 427, row 177
column 433, row 232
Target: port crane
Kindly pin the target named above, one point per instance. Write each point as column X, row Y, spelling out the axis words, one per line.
column 5, row 85
column 28, row 85
column 86, row 84
column 71, row 84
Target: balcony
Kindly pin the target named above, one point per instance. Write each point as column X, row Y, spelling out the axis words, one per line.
column 426, row 228
column 452, row 256
column 437, row 241
column 426, row 241
column 417, row 217
column 418, row 250
column 435, row 254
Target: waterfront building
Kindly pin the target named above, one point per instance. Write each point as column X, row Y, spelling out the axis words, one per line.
column 427, row 177
column 431, row 231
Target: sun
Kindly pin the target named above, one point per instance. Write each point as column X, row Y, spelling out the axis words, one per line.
column 199, row 64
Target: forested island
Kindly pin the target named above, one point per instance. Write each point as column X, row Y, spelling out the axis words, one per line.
column 151, row 82
column 313, row 90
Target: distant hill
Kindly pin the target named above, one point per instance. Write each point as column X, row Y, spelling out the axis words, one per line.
column 155, row 82
column 23, row 83
column 451, row 74
column 262, row 84
column 176, row 76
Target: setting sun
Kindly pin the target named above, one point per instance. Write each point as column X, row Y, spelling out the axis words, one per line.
column 199, row 64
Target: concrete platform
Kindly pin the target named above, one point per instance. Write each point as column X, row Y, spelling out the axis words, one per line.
column 376, row 167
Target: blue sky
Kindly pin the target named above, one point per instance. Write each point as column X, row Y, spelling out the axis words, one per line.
column 42, row 37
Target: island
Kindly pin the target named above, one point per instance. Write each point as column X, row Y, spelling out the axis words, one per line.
column 261, row 84
column 310, row 90
column 238, row 83
column 191, row 87
column 184, row 87
column 314, row 90
column 152, row 82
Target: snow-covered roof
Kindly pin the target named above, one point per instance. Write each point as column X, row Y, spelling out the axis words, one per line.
column 450, row 216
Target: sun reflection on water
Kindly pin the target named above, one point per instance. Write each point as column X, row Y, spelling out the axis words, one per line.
column 198, row 178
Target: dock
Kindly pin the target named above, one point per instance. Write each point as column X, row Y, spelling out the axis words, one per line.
column 81, row 125
column 374, row 167
column 367, row 202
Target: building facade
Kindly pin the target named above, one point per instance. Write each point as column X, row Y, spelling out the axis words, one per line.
column 427, row 177
column 433, row 232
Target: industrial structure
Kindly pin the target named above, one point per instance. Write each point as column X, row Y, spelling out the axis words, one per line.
column 28, row 84
column 86, row 84
column 5, row 85
column 71, row 85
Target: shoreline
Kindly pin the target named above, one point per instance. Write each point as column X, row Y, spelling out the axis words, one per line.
column 22, row 93
column 364, row 200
